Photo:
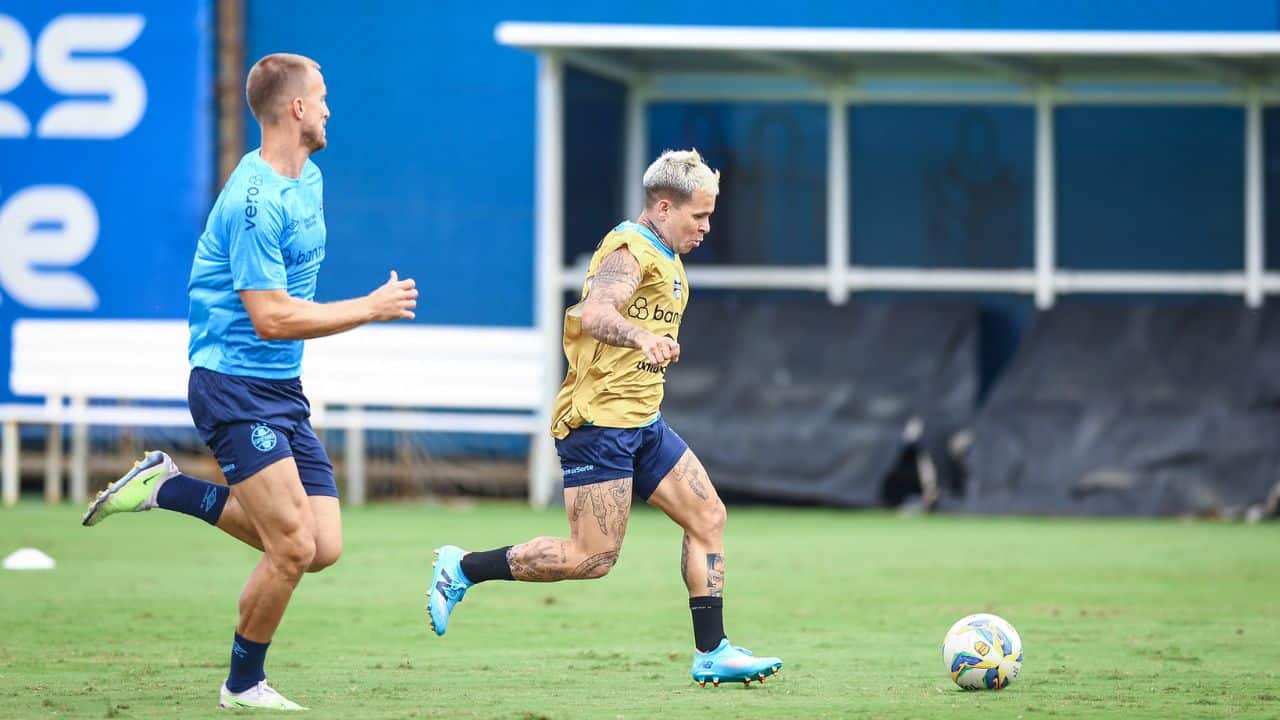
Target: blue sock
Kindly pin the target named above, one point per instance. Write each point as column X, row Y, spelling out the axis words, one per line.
column 194, row 497
column 247, row 658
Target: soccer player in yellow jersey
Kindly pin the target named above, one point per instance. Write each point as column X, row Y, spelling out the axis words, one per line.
column 611, row 438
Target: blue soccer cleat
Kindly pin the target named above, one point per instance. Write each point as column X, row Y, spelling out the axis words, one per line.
column 448, row 585
column 728, row 663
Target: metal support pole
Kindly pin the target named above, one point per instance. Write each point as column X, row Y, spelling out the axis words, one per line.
column 837, row 199
column 1254, row 219
column 637, row 134
column 9, row 464
column 79, row 485
column 230, row 86
column 549, row 302
column 1046, row 212
column 354, row 451
column 53, row 465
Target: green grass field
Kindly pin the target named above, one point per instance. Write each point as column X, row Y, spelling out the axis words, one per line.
column 1121, row 619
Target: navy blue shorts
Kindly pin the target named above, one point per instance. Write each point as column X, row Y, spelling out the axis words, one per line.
column 593, row 454
column 250, row 423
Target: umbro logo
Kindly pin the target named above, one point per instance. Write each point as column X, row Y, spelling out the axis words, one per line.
column 210, row 497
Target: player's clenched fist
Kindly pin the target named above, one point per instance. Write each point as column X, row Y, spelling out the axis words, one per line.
column 395, row 300
column 659, row 349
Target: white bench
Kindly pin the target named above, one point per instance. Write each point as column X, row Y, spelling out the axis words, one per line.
column 389, row 377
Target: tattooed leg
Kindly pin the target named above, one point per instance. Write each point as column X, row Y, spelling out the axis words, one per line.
column 687, row 496
column 598, row 517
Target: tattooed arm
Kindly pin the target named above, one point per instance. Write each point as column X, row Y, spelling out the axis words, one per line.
column 611, row 288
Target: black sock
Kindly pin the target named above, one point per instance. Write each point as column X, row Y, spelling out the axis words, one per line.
column 487, row 565
column 708, row 622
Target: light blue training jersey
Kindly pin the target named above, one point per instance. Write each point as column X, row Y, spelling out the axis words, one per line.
column 265, row 232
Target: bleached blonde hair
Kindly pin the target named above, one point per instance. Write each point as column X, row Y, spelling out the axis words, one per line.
column 676, row 175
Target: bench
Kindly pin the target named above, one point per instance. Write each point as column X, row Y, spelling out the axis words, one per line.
column 381, row 377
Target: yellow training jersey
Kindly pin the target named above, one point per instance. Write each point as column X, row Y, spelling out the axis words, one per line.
column 617, row 386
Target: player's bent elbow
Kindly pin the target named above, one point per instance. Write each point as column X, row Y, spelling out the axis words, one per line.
column 265, row 332
column 269, row 327
column 271, row 312
column 590, row 316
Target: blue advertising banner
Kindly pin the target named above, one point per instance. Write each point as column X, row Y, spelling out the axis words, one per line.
column 106, row 151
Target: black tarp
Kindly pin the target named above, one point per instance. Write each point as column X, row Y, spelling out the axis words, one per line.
column 799, row 400
column 1133, row 409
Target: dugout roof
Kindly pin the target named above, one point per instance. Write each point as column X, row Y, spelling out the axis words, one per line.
column 854, row 56
column 844, row 67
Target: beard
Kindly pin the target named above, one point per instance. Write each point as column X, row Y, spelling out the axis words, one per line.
column 314, row 139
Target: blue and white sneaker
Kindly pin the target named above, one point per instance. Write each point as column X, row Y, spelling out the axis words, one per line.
column 729, row 663
column 448, row 585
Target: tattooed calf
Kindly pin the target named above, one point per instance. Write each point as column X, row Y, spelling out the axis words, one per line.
column 715, row 574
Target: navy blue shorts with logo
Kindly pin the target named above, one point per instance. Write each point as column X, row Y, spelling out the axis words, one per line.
column 592, row 454
column 250, row 423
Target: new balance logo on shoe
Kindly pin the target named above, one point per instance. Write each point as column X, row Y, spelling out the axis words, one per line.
column 443, row 586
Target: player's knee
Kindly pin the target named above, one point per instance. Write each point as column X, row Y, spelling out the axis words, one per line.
column 326, row 556
column 294, row 553
column 711, row 518
column 597, row 565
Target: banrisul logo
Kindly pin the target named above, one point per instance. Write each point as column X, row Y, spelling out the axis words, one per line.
column 262, row 437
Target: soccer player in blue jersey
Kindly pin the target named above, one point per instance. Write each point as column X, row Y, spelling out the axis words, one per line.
column 252, row 286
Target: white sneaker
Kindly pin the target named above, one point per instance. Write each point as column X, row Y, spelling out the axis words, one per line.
column 136, row 491
column 259, row 697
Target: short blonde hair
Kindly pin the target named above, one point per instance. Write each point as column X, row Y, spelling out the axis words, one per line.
column 676, row 175
column 271, row 79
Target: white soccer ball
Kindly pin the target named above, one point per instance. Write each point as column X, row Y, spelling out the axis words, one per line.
column 982, row 652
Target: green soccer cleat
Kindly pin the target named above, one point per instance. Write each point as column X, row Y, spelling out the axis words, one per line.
column 259, row 697
column 136, row 491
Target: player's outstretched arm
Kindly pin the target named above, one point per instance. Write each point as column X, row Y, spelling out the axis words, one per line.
column 611, row 289
column 276, row 315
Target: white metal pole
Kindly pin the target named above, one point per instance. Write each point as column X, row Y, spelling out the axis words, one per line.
column 550, row 256
column 357, row 491
column 79, row 485
column 53, row 450
column 1046, row 213
column 1254, row 219
column 837, row 199
column 637, row 139
column 9, row 478
column 53, row 464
